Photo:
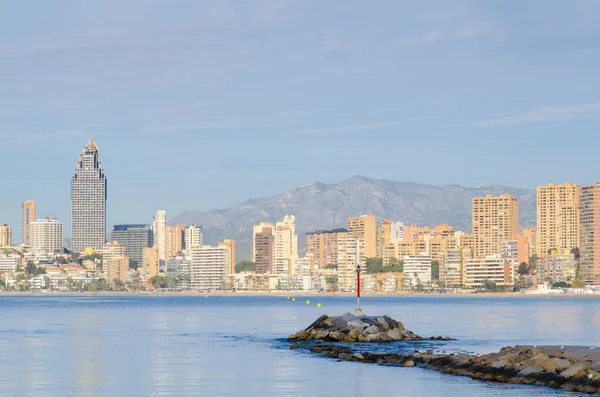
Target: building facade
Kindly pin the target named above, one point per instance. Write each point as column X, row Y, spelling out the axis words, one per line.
column 230, row 244
column 28, row 215
column 47, row 235
column 208, row 267
column 322, row 246
column 589, row 234
column 150, row 261
column 557, row 218
column 134, row 237
column 494, row 219
column 193, row 237
column 493, row 268
column 263, row 251
column 286, row 244
column 88, row 201
column 174, row 240
column 417, row 270
column 5, row 235
column 159, row 224
column 365, row 227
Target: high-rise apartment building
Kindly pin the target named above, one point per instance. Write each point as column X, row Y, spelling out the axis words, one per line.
column 492, row 268
column 209, row 266
column 5, row 235
column 417, row 270
column 531, row 234
column 134, row 237
column 365, row 226
column 116, row 269
column 230, row 244
column 47, row 235
column 88, row 201
column 264, row 243
column 174, row 240
column 322, row 246
column 193, row 236
column 113, row 249
column 494, row 219
column 557, row 218
column 159, row 225
column 589, row 233
column 349, row 257
column 261, row 228
column 150, row 261
column 28, row 215
column 286, row 244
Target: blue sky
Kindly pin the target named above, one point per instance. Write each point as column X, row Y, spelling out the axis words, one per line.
column 202, row 104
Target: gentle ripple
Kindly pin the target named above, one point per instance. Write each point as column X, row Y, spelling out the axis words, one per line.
column 188, row 346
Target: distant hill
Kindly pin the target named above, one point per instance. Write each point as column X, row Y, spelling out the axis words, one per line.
column 322, row 206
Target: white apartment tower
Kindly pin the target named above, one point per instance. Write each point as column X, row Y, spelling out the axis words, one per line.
column 47, row 235
column 88, row 201
column 193, row 237
column 286, row 244
column 159, row 225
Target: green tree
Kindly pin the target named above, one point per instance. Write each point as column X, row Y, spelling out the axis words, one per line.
column 40, row 270
column 133, row 264
column 47, row 283
column 561, row 284
column 333, row 266
column 332, row 283
column 159, row 282
column 245, row 266
column 523, row 268
column 435, row 270
column 30, row 268
column 2, row 283
column 118, row 284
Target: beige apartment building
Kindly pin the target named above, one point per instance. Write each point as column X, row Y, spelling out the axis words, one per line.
column 285, row 244
column 557, row 218
column 349, row 257
column 174, row 240
column 116, row 268
column 193, row 237
column 28, row 215
column 494, row 268
column 151, row 261
column 322, row 246
column 365, row 227
column 493, row 219
column 47, row 235
column 589, row 243
column 5, row 235
column 230, row 245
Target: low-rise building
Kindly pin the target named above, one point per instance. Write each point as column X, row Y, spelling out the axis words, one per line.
column 417, row 270
column 493, row 268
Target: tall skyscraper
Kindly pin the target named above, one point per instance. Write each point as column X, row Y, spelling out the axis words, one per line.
column 493, row 220
column 261, row 228
column 263, row 250
column 28, row 215
column 557, row 218
column 135, row 238
column 88, row 201
column 365, row 226
column 5, row 235
column 286, row 244
column 230, row 244
column 589, row 221
column 193, row 237
column 174, row 240
column 159, row 225
column 47, row 235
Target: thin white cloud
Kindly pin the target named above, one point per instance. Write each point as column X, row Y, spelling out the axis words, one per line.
column 352, row 128
column 191, row 126
column 430, row 37
column 544, row 114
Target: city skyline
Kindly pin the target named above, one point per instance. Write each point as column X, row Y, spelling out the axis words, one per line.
column 472, row 83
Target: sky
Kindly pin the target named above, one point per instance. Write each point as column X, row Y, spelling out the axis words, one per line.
column 204, row 104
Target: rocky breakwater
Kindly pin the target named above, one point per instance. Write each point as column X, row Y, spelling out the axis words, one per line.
column 349, row 328
column 568, row 368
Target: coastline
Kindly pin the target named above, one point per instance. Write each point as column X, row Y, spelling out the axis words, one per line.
column 295, row 294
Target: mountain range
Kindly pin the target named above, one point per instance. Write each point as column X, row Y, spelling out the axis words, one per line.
column 326, row 206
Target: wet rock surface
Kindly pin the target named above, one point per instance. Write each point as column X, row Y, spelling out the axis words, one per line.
column 349, row 328
column 569, row 368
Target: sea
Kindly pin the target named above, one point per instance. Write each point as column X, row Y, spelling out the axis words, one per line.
column 214, row 345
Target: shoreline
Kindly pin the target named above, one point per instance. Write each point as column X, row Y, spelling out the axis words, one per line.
column 295, row 294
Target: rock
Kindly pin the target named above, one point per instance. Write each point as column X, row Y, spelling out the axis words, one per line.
column 357, row 323
column 384, row 324
column 373, row 329
column 395, row 334
column 294, row 347
column 572, row 371
column 535, row 369
column 556, row 364
column 321, row 335
column 336, row 336
column 349, row 338
column 392, row 323
column 374, row 337
column 361, row 338
column 500, row 364
column 318, row 323
column 355, row 332
column 358, row 356
column 409, row 364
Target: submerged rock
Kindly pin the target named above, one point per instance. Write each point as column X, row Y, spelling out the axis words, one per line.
column 348, row 328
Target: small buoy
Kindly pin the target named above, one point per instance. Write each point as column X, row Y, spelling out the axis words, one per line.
column 255, row 329
column 293, row 299
column 206, row 296
column 319, row 305
column 288, row 297
column 308, row 302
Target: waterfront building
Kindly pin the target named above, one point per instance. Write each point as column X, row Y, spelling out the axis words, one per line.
column 285, row 244
column 263, row 251
column 208, row 267
column 322, row 246
column 8, row 264
column 557, row 218
column 510, row 249
column 388, row 232
column 28, row 215
column 158, row 226
column 494, row 219
column 5, row 235
column 417, row 270
column 230, row 244
column 349, row 257
column 589, row 241
column 492, row 268
column 151, row 261
column 365, row 227
column 262, row 227
column 88, row 201
column 47, row 235
column 134, row 237
column 116, row 268
column 174, row 240
column 452, row 267
column 193, row 236
column 531, row 234
column 113, row 249
column 524, row 249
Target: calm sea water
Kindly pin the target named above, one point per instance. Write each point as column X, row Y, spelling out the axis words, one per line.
column 196, row 346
